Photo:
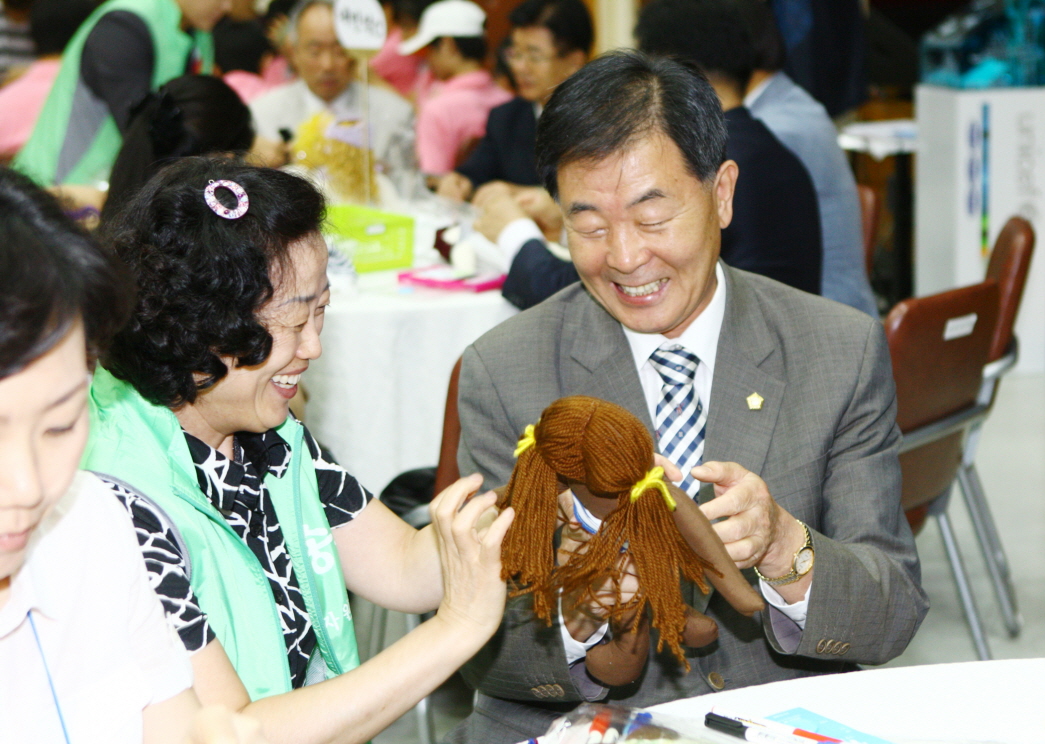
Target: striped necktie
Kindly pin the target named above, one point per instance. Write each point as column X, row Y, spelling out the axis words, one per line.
column 681, row 418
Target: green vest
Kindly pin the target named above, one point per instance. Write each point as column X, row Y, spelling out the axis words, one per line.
column 171, row 46
column 143, row 445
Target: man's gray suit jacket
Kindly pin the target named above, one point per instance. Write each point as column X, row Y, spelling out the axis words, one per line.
column 802, row 124
column 824, row 440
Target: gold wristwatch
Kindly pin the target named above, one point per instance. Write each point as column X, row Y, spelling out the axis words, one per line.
column 800, row 565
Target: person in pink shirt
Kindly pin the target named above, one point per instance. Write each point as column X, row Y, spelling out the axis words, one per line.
column 406, row 73
column 401, row 71
column 452, row 119
column 51, row 24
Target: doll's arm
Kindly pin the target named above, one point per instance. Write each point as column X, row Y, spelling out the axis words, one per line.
column 702, row 540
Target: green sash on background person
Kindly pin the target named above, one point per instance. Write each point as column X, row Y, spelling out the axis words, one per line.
column 39, row 158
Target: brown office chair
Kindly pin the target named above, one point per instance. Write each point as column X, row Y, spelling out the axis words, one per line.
column 870, row 209
column 446, row 471
column 1009, row 265
column 939, row 346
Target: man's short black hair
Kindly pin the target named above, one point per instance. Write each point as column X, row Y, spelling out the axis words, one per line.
column 201, row 278
column 240, row 45
column 622, row 97
column 770, row 52
column 712, row 33
column 568, row 21
column 52, row 274
column 409, row 10
column 52, row 23
column 276, row 9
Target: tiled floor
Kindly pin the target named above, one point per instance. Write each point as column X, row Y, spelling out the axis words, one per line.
column 1011, row 461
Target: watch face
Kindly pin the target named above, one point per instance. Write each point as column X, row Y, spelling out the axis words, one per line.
column 804, row 561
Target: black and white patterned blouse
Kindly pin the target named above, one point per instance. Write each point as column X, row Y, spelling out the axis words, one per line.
column 237, row 491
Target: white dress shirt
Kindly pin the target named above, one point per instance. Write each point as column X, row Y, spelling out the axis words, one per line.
column 103, row 636
column 292, row 104
column 700, row 338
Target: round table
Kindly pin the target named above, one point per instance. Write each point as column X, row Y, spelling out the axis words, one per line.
column 976, row 701
column 377, row 394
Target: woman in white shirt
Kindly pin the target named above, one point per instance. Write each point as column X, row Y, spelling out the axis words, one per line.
column 85, row 651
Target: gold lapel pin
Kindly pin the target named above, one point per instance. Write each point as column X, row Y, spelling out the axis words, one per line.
column 754, row 402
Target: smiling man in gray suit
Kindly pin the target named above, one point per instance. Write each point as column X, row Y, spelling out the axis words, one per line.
column 790, row 410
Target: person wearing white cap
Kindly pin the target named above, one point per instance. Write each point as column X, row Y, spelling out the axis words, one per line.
column 454, row 117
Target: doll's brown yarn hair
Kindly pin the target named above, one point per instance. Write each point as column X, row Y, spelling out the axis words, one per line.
column 603, row 446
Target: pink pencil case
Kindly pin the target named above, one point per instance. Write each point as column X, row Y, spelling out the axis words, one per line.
column 442, row 277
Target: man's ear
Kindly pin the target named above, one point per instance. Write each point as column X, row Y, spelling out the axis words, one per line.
column 725, row 185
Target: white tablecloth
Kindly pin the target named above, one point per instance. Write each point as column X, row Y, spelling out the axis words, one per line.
column 378, row 392
column 977, row 701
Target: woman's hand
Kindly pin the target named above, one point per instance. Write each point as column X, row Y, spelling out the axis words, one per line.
column 454, row 187
column 469, row 548
column 542, row 209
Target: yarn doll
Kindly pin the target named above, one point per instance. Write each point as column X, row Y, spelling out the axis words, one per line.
column 628, row 572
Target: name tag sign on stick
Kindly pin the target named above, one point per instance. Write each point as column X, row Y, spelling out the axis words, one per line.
column 360, row 24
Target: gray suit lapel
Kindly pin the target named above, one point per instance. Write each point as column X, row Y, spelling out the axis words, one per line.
column 599, row 361
column 746, row 363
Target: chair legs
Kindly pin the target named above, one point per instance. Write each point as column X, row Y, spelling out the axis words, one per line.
column 378, row 626
column 990, row 544
column 961, row 579
column 423, row 709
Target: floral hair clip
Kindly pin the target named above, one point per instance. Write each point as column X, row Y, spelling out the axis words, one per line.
column 242, row 200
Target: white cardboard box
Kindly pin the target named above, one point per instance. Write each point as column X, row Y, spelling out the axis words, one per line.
column 981, row 160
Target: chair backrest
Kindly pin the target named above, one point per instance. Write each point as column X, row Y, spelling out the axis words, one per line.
column 446, row 472
column 1009, row 264
column 938, row 346
column 870, row 208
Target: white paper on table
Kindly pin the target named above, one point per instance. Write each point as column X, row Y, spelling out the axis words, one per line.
column 880, row 138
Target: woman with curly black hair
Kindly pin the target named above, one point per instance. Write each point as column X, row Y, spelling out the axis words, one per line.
column 251, row 531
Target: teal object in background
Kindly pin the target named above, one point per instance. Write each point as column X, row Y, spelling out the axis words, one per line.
column 991, row 44
column 818, row 724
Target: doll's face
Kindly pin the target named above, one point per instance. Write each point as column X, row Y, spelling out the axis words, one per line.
column 599, row 506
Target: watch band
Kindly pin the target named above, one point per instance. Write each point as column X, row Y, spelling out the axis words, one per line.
column 791, row 576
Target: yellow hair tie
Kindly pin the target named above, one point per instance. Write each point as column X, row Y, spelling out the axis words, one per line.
column 526, row 441
column 654, row 479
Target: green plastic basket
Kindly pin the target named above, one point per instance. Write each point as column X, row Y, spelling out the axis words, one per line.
column 374, row 240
